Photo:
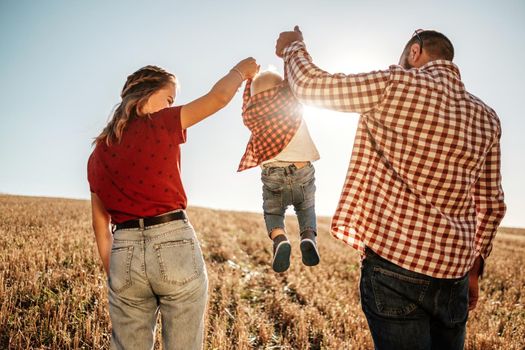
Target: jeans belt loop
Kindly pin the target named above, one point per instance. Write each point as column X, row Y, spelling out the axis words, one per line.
column 141, row 223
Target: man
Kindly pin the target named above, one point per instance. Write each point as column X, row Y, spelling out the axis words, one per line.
column 422, row 198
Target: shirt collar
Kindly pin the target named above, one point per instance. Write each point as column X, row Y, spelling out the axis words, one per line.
column 442, row 65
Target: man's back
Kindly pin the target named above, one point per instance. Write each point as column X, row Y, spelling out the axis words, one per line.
column 413, row 193
column 434, row 136
column 423, row 187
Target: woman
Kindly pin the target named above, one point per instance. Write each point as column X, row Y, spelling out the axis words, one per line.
column 153, row 259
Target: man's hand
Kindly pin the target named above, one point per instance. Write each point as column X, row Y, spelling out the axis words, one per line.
column 286, row 38
column 473, row 287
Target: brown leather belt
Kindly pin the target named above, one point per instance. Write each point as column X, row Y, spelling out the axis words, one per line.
column 155, row 220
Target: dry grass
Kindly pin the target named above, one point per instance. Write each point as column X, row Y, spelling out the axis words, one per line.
column 53, row 293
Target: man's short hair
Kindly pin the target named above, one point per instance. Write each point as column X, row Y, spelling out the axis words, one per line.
column 437, row 45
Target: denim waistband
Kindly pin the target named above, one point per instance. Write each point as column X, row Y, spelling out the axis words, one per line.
column 370, row 254
column 379, row 260
column 288, row 170
column 135, row 234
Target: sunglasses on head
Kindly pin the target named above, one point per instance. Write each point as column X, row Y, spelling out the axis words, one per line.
column 416, row 34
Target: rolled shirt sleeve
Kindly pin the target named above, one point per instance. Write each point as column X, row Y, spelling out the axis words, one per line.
column 359, row 93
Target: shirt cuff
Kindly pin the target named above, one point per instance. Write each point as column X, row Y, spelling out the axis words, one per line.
column 292, row 48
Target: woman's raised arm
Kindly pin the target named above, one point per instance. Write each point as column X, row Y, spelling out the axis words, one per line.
column 220, row 94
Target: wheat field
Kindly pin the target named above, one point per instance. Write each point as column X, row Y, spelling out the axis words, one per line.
column 53, row 289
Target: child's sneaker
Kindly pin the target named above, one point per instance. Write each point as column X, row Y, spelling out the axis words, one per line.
column 281, row 253
column 309, row 248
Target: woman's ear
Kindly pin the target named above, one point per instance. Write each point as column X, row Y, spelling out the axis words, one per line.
column 142, row 107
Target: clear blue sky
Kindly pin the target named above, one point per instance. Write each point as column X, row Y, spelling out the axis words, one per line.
column 63, row 63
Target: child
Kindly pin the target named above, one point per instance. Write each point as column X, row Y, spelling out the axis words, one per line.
column 281, row 144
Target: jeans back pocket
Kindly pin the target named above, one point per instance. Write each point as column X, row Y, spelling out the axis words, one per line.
column 308, row 188
column 396, row 294
column 120, row 268
column 272, row 194
column 272, row 185
column 179, row 261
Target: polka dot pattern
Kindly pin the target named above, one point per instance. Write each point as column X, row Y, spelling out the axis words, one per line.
column 140, row 176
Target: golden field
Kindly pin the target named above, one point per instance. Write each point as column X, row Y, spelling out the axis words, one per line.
column 53, row 290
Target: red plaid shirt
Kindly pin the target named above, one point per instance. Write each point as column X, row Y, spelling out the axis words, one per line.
column 423, row 188
column 273, row 117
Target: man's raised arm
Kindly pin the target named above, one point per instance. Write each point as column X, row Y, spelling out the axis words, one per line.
column 357, row 93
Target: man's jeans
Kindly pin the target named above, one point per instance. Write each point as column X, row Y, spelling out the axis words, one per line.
column 284, row 186
column 408, row 310
column 152, row 269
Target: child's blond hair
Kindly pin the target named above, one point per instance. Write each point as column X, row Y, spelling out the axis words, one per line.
column 265, row 81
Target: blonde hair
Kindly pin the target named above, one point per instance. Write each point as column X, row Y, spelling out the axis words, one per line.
column 138, row 88
column 264, row 81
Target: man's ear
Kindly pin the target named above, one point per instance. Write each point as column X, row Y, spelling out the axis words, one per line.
column 415, row 51
column 414, row 54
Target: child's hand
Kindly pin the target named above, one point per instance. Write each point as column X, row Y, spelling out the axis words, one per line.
column 286, row 38
column 248, row 67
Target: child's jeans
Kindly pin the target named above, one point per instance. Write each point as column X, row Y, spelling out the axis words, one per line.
column 284, row 186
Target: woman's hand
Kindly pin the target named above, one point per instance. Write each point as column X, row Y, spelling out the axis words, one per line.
column 248, row 68
column 220, row 94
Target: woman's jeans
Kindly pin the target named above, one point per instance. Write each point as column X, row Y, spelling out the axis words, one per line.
column 285, row 186
column 408, row 310
column 159, row 268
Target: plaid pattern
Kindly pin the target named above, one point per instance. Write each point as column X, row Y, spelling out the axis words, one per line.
column 423, row 188
column 273, row 117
